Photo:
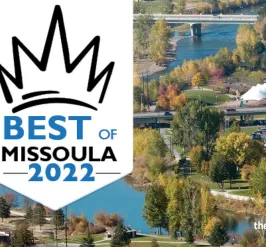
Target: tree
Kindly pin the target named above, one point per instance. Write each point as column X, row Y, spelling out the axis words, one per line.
column 264, row 32
column 191, row 210
column 210, row 225
column 196, row 156
column 235, row 127
column 4, row 209
column 258, row 179
column 120, row 237
column 154, row 210
column 247, row 171
column 179, row 6
column 249, row 237
column 88, row 241
column 198, row 80
column 221, row 169
column 29, row 213
column 142, row 28
column 154, row 243
column 58, row 219
column 240, row 148
column 223, row 60
column 159, row 37
column 166, row 7
column 11, row 198
column 218, row 235
column 22, row 236
column 39, row 215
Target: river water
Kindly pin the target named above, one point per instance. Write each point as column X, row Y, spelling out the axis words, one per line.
column 120, row 197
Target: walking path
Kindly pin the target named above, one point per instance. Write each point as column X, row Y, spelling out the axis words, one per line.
column 165, row 137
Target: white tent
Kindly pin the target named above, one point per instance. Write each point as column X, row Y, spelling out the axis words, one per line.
column 257, row 92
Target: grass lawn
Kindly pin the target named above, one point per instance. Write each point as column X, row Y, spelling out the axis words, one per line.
column 207, row 97
column 153, row 6
column 238, row 183
column 150, row 238
column 163, row 245
column 242, row 193
column 247, row 130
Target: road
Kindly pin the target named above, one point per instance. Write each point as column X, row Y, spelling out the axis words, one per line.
column 211, row 19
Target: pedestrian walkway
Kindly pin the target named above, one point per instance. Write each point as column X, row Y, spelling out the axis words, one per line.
column 164, row 135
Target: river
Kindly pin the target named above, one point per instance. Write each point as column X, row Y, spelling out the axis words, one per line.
column 120, row 197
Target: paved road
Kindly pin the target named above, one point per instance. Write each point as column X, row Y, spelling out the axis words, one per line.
column 212, row 19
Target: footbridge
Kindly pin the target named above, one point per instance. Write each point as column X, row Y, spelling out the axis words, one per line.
column 195, row 21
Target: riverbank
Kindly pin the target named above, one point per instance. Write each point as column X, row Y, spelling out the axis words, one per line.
column 147, row 67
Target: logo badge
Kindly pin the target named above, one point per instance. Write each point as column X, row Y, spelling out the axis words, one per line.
column 66, row 98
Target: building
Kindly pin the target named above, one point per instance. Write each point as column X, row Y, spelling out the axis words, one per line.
column 4, row 238
column 110, row 233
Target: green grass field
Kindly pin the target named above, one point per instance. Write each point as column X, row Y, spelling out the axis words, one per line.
column 201, row 178
column 207, row 97
column 247, row 130
column 242, row 193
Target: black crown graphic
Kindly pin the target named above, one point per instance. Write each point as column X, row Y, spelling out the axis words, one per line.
column 28, row 101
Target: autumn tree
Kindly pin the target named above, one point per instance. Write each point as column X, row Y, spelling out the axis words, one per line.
column 240, row 148
column 154, row 243
column 198, row 80
column 196, row 156
column 159, row 37
column 210, row 225
column 208, row 207
column 179, row 6
column 247, row 171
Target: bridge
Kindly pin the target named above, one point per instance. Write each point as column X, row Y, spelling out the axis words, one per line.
column 156, row 117
column 195, row 21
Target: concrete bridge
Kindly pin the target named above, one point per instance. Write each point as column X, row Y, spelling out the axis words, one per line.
column 195, row 21
column 155, row 118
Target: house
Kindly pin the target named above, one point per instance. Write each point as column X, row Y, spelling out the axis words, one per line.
column 4, row 238
column 110, row 233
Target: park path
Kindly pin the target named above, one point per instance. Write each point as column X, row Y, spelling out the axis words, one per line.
column 165, row 137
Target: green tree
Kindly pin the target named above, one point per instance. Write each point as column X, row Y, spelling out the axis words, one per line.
column 223, row 60
column 221, row 169
column 142, row 28
column 154, row 243
column 120, row 237
column 4, row 209
column 166, row 7
column 191, row 211
column 29, row 213
column 22, row 236
column 159, row 38
column 154, row 210
column 258, row 179
column 180, row 6
column 88, row 241
column 157, row 146
column 58, row 220
column 218, row 235
column 235, row 127
column 39, row 215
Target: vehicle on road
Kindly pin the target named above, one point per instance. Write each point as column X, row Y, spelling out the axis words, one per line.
column 168, row 113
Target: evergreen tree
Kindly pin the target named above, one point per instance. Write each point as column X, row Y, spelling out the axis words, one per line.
column 120, row 237
column 154, row 243
column 29, row 213
column 88, row 241
column 58, row 219
column 4, row 209
column 22, row 236
column 218, row 235
column 39, row 215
